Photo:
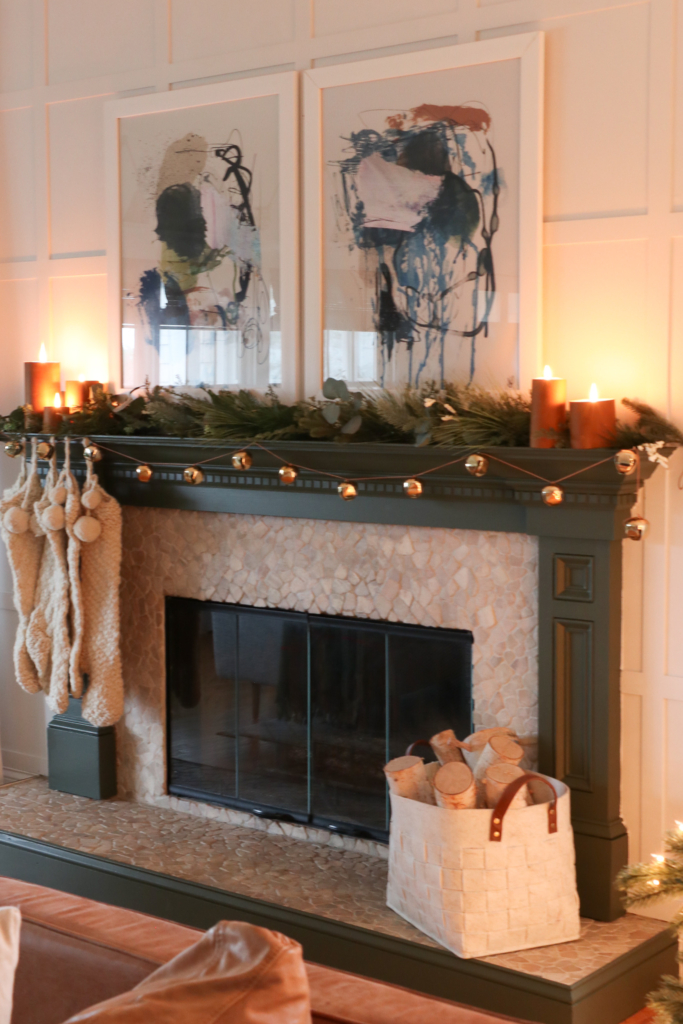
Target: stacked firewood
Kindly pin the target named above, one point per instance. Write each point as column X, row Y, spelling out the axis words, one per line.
column 468, row 773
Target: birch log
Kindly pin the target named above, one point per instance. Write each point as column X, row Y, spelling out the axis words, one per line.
column 407, row 777
column 454, row 786
column 447, row 746
column 499, row 748
column 430, row 771
column 496, row 780
column 474, row 744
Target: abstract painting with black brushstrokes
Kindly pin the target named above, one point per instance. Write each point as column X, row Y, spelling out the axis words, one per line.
column 421, row 276
column 200, row 245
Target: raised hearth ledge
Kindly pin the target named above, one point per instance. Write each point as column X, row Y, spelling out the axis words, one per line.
column 171, row 864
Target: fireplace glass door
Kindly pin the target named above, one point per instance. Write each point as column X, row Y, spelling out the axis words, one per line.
column 292, row 716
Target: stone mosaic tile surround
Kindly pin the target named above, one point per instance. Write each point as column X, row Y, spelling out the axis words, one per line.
column 467, row 579
column 342, row 885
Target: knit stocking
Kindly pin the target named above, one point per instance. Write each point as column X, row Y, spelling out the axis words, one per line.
column 100, row 532
column 72, row 513
column 24, row 552
column 47, row 638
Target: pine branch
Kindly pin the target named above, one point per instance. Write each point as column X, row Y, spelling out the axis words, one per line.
column 667, row 1001
column 650, row 426
column 244, row 415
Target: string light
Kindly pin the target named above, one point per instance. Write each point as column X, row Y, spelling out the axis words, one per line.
column 658, row 858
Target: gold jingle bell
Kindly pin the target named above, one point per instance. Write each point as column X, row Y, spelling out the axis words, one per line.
column 552, row 495
column 625, row 461
column 287, row 474
column 14, row 448
column 193, row 475
column 635, row 527
column 242, row 460
column 144, row 473
column 476, row 465
column 92, row 453
column 412, row 487
column 45, row 450
column 348, row 491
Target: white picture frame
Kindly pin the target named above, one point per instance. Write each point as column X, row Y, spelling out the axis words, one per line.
column 285, row 88
column 528, row 50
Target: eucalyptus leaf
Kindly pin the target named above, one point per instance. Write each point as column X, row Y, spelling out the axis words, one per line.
column 331, row 413
column 333, row 388
column 353, row 425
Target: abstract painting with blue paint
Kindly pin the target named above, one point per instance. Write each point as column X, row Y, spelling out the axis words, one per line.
column 419, row 201
column 200, row 247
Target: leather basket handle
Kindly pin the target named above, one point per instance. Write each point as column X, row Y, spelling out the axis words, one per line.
column 418, row 743
column 501, row 808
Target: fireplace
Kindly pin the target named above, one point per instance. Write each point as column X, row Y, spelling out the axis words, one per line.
column 290, row 715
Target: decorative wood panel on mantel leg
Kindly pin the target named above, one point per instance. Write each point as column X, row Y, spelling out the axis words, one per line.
column 579, row 704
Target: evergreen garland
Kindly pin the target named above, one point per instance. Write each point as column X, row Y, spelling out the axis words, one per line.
column 642, row 884
column 455, row 415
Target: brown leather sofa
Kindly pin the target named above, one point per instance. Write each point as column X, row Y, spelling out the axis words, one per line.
column 76, row 952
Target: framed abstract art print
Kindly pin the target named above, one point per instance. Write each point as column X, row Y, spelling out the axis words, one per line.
column 203, row 235
column 422, row 209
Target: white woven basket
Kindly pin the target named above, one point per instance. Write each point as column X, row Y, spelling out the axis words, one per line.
column 476, row 894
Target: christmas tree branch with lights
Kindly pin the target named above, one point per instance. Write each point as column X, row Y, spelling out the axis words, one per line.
column 643, row 884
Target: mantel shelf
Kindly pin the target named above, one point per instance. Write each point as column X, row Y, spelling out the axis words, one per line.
column 596, row 501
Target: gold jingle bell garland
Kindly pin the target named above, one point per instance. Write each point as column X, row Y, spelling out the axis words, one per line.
column 626, row 461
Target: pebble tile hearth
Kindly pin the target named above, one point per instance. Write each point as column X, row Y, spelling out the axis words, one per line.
column 339, row 884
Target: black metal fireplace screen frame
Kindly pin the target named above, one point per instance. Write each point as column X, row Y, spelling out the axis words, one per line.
column 301, row 733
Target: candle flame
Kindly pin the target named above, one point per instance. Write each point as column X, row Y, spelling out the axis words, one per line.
column 58, row 400
column 547, row 373
column 42, row 356
column 593, row 394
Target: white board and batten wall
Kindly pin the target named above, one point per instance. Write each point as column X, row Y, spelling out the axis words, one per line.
column 613, row 292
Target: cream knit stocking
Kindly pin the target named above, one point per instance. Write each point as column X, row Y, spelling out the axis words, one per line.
column 72, row 513
column 47, row 637
column 24, row 552
column 100, row 532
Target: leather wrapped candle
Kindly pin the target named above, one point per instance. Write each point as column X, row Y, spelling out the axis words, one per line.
column 41, row 381
column 592, row 421
column 548, row 409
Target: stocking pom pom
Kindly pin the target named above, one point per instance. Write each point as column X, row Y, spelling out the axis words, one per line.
column 87, row 529
column 16, row 520
column 91, row 499
column 53, row 517
column 58, row 495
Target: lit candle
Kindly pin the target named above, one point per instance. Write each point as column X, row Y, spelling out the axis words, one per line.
column 78, row 392
column 548, row 409
column 41, row 381
column 592, row 421
column 52, row 414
